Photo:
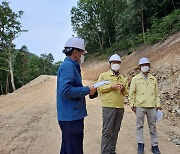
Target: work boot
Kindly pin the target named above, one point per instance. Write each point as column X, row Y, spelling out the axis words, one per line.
column 155, row 150
column 140, row 148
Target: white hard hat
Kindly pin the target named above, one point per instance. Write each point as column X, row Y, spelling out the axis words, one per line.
column 75, row 43
column 115, row 57
column 144, row 60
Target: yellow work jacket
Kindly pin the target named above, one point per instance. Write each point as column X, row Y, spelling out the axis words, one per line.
column 112, row 98
column 144, row 93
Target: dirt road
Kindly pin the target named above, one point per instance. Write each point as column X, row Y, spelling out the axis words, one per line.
column 28, row 124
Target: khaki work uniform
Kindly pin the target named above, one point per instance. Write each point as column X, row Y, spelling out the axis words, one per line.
column 144, row 96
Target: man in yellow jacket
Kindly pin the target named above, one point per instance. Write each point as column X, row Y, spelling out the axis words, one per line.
column 112, row 104
column 144, row 99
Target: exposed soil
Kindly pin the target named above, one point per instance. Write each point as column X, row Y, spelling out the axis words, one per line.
column 28, row 123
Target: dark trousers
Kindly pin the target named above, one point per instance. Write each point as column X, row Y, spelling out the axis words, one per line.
column 112, row 118
column 72, row 136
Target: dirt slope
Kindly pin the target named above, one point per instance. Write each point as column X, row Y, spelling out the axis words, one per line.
column 28, row 119
column 162, row 55
column 165, row 65
column 28, row 122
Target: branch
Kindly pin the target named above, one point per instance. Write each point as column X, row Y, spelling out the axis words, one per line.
column 20, row 80
column 4, row 59
column 3, row 69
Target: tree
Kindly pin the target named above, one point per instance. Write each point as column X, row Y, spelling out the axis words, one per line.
column 21, row 65
column 95, row 21
column 10, row 28
column 85, row 21
column 3, row 75
column 47, row 63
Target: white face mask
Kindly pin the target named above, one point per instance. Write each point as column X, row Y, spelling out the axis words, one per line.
column 82, row 59
column 145, row 68
column 115, row 67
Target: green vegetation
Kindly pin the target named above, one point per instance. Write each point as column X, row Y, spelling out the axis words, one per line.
column 18, row 66
column 109, row 26
column 26, row 67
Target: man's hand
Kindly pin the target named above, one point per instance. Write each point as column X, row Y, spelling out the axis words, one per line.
column 92, row 90
column 118, row 87
column 133, row 109
column 121, row 86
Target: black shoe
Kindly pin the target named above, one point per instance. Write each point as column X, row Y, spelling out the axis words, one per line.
column 140, row 149
column 155, row 150
column 113, row 152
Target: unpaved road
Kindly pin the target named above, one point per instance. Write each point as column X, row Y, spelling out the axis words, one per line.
column 28, row 124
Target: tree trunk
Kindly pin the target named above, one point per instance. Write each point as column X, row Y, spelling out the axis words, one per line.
column 12, row 74
column 101, row 43
column 11, row 68
column 1, row 89
column 7, row 83
column 109, row 40
column 20, row 81
column 173, row 4
column 142, row 21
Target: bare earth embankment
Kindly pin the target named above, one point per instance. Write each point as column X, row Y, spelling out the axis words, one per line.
column 28, row 123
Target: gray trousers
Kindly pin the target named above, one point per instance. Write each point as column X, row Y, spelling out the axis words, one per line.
column 112, row 118
column 151, row 119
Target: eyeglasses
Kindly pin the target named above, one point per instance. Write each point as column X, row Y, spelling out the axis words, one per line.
column 81, row 51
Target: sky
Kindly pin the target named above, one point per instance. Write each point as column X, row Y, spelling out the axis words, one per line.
column 48, row 23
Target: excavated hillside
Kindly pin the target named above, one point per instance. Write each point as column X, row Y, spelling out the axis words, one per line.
column 165, row 65
column 28, row 123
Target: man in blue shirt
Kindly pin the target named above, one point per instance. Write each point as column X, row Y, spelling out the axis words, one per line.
column 71, row 104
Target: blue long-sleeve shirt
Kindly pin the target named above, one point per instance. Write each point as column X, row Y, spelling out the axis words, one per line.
column 71, row 104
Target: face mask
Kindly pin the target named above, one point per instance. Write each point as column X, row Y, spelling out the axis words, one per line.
column 115, row 67
column 82, row 59
column 145, row 68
